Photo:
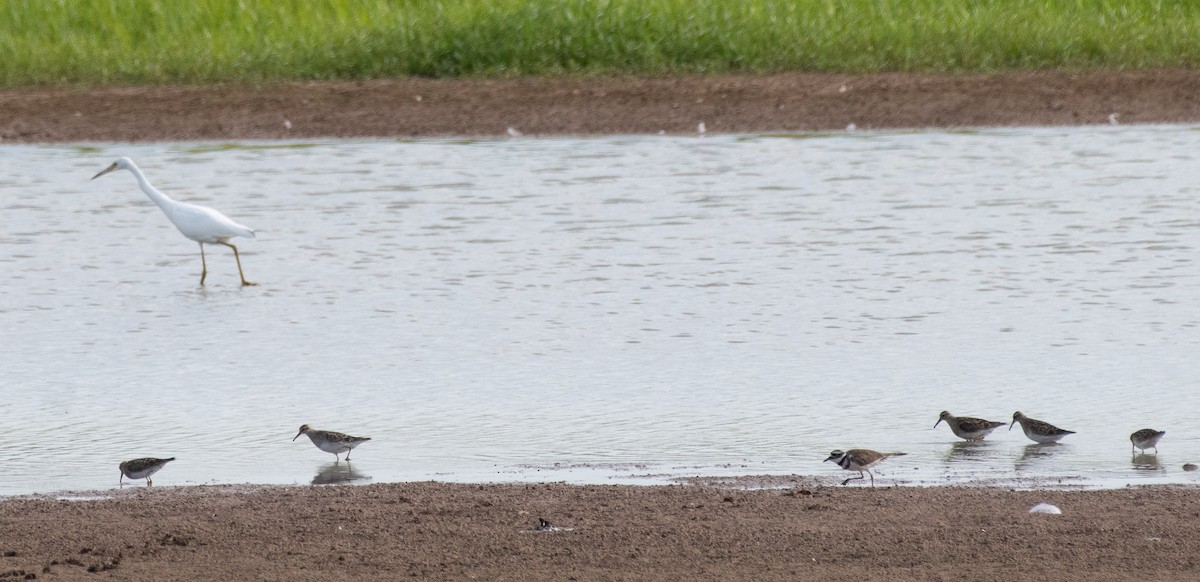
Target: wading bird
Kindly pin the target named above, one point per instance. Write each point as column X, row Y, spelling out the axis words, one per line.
column 142, row 469
column 199, row 223
column 330, row 441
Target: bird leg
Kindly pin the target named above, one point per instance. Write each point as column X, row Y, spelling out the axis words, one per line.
column 238, row 258
column 203, row 265
column 149, row 482
column 860, row 476
column 347, row 455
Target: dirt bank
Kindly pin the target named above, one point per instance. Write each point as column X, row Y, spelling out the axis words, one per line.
column 724, row 103
column 461, row 532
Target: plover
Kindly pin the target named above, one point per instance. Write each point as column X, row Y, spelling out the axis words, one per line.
column 966, row 427
column 331, row 442
column 1039, row 431
column 142, row 469
column 859, row 460
column 1147, row 438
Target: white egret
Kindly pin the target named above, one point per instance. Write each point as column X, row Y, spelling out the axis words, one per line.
column 199, row 223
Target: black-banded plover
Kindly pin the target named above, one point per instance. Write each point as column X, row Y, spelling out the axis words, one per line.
column 1039, row 431
column 859, row 460
column 966, row 427
column 331, row 442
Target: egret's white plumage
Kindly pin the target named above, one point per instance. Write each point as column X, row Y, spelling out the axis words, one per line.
column 199, row 223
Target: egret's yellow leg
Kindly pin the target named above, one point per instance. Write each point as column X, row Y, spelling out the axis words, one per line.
column 239, row 264
column 203, row 265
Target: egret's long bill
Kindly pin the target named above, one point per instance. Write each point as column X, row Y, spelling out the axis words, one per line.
column 106, row 170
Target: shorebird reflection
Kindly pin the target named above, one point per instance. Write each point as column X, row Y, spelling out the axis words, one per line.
column 1036, row 452
column 1144, row 462
column 335, row 473
column 968, row 450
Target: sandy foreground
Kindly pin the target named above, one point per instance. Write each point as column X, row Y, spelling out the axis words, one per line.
column 798, row 530
column 475, row 107
column 485, row 532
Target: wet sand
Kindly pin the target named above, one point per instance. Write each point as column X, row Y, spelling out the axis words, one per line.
column 462, row 532
column 635, row 105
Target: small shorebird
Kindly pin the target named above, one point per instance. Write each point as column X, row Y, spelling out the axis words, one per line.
column 1147, row 438
column 142, row 469
column 331, row 442
column 859, row 460
column 1039, row 431
column 966, row 427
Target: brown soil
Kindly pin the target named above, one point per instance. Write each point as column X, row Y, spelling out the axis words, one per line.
column 460, row 532
column 472, row 107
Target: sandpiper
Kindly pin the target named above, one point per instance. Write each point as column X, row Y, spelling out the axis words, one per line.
column 1039, row 431
column 331, row 442
column 142, row 469
column 966, row 427
column 1147, row 438
column 859, row 460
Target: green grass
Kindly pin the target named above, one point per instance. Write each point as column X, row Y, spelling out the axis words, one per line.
column 189, row 41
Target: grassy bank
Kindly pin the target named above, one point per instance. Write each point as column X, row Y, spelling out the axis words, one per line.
column 158, row 41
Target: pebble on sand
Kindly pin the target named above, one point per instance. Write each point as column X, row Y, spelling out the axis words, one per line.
column 1046, row 508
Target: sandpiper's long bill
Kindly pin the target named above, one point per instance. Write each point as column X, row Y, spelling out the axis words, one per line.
column 330, row 441
column 966, row 427
column 1147, row 438
column 859, row 460
column 1037, row 430
column 142, row 469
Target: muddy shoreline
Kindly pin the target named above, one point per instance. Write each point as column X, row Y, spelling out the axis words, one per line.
column 586, row 106
column 449, row 531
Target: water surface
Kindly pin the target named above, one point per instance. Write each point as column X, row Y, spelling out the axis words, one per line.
column 605, row 309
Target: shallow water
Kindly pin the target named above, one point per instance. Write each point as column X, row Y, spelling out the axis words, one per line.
column 606, row 309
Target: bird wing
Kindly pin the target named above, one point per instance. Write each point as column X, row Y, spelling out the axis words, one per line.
column 977, row 424
column 201, row 223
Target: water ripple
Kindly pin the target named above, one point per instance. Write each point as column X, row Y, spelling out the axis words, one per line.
column 685, row 305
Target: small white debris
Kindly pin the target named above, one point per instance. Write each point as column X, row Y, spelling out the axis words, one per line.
column 662, row 132
column 544, row 525
column 1112, row 118
column 1046, row 508
column 851, row 127
column 417, row 98
column 78, row 114
column 842, row 89
column 287, row 124
column 512, row 132
column 700, row 128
